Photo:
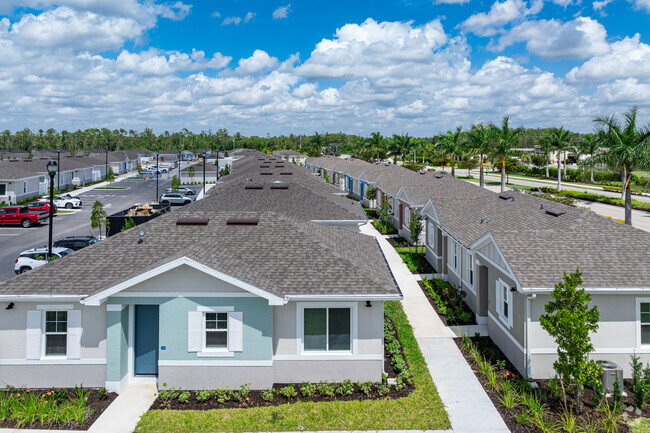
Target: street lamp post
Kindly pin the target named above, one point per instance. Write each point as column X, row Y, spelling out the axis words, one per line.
column 58, row 170
column 204, row 156
column 106, row 166
column 52, row 169
column 157, row 168
column 217, row 165
column 180, row 158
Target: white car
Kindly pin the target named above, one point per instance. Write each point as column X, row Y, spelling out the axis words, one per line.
column 64, row 201
column 36, row 257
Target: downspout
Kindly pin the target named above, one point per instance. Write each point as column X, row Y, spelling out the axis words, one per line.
column 527, row 335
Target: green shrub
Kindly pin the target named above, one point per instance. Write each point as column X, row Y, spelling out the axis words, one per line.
column 204, row 395
column 382, row 388
column 365, row 387
column 242, row 393
column 345, row 388
column 326, row 389
column 268, row 394
column 308, row 389
column 102, row 393
column 168, row 394
column 288, row 391
column 223, row 395
column 184, row 397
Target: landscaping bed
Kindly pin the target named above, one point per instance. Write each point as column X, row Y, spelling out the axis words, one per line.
column 415, row 261
column 371, row 213
column 56, row 408
column 384, row 230
column 448, row 302
column 525, row 409
column 418, row 409
column 588, row 196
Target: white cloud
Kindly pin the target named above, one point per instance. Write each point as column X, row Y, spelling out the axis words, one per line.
column 451, row 2
column 215, row 14
column 500, row 14
column 305, row 90
column 153, row 62
column 259, row 61
column 231, row 20
column 553, row 40
column 249, row 16
column 628, row 58
column 282, row 12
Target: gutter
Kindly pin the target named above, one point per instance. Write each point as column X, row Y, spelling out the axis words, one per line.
column 37, row 298
column 372, row 297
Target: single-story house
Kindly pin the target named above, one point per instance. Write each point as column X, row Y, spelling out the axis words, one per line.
column 291, row 156
column 201, row 300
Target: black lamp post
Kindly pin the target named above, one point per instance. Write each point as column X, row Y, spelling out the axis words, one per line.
column 204, row 156
column 52, row 169
column 106, row 166
column 58, row 170
column 157, row 154
column 180, row 158
column 217, row 165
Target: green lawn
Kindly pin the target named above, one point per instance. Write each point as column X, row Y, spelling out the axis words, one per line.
column 422, row 410
column 641, row 425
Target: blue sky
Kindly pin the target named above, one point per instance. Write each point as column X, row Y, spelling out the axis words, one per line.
column 262, row 67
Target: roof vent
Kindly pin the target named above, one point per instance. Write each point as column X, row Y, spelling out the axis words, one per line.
column 555, row 212
column 254, row 187
column 506, row 197
column 242, row 221
column 286, row 174
column 279, row 186
column 438, row 176
column 266, row 173
column 421, row 171
column 265, row 166
column 192, row 221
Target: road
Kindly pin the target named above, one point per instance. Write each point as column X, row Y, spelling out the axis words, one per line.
column 15, row 239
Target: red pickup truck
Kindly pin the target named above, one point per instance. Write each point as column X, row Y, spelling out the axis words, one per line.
column 22, row 215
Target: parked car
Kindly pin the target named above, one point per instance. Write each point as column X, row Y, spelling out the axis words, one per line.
column 42, row 206
column 182, row 190
column 175, row 198
column 76, row 243
column 65, row 201
column 161, row 169
column 22, row 215
column 36, row 257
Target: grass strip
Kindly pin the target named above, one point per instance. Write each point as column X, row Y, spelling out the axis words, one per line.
column 422, row 410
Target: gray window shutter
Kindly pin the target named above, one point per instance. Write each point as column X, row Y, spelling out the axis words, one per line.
column 194, row 331
column 235, row 332
column 34, row 334
column 74, row 334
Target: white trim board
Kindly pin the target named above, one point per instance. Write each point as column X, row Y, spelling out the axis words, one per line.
column 332, row 357
column 497, row 321
column 98, row 298
column 214, row 363
column 53, row 361
column 184, row 295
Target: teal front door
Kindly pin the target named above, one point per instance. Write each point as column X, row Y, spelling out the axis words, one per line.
column 146, row 339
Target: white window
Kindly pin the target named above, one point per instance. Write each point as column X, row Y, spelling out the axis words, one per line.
column 56, row 333
column 326, row 328
column 504, row 302
column 431, row 235
column 407, row 216
column 215, row 331
column 453, row 247
column 469, row 277
column 644, row 323
column 24, row 187
column 53, row 331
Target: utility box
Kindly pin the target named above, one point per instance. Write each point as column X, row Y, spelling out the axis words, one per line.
column 610, row 372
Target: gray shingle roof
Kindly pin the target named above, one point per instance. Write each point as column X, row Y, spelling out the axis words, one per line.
column 281, row 255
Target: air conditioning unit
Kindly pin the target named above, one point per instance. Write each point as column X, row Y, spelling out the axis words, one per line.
column 610, row 371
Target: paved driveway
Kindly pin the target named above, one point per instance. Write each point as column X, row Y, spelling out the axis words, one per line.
column 14, row 239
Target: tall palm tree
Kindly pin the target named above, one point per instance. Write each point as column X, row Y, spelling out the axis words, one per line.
column 450, row 147
column 590, row 145
column 628, row 147
column 503, row 145
column 547, row 149
column 478, row 141
column 400, row 145
column 558, row 140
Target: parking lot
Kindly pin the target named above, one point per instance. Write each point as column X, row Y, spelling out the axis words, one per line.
column 16, row 239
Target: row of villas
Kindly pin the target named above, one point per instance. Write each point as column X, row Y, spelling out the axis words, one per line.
column 266, row 280
column 507, row 251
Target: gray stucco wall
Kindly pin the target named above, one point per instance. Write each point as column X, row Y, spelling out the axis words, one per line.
column 213, row 377
column 337, row 371
column 47, row 376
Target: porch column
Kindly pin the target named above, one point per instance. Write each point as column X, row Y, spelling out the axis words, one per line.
column 117, row 347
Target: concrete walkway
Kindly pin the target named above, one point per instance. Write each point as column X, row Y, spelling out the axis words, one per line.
column 124, row 413
column 468, row 406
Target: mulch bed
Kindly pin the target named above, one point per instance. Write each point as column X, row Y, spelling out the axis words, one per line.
column 255, row 399
column 442, row 316
column 554, row 404
column 94, row 408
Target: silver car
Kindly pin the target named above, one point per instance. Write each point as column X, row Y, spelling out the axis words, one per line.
column 182, row 190
column 175, row 198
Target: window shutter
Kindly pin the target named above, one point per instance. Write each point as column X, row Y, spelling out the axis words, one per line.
column 195, row 331
column 235, row 332
column 34, row 334
column 511, row 308
column 74, row 334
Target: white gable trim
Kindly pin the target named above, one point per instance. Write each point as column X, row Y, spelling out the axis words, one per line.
column 99, row 298
column 484, row 240
column 401, row 194
column 430, row 211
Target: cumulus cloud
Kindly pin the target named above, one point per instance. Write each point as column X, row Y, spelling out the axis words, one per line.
column 282, row 12
column 260, row 60
column 500, row 13
column 153, row 62
column 231, row 20
column 553, row 40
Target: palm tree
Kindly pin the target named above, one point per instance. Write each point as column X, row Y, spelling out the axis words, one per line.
column 377, row 143
column 450, row 147
column 547, row 149
column 628, row 147
column 400, row 145
column 503, row 145
column 479, row 138
column 590, row 145
column 558, row 139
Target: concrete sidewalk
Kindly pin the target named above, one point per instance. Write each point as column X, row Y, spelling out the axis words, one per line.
column 467, row 404
column 124, row 413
